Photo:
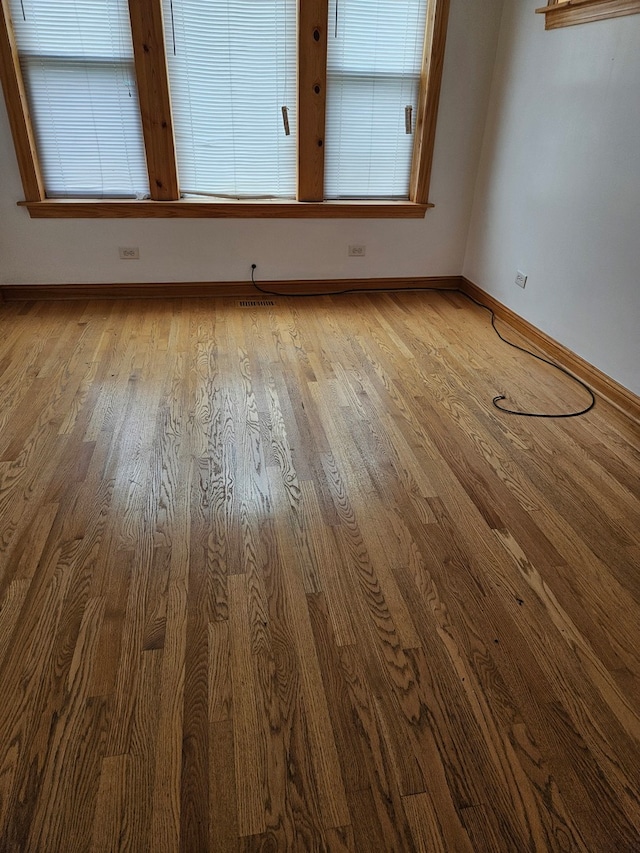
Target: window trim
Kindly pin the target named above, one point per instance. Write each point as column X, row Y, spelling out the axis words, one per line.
column 18, row 110
column 202, row 208
column 152, row 82
column 155, row 108
column 313, row 23
column 567, row 13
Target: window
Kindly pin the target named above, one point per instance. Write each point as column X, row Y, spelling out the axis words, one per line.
column 373, row 80
column 566, row 13
column 77, row 63
column 284, row 108
column 228, row 89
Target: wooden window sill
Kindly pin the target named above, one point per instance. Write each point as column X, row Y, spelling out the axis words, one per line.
column 567, row 13
column 207, row 209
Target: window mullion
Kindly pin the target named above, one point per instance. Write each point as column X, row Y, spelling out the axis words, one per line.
column 429, row 97
column 312, row 83
column 153, row 94
column 18, row 110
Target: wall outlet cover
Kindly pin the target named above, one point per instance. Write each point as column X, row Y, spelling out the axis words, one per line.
column 129, row 253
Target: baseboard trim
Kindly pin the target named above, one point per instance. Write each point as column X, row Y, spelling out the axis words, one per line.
column 173, row 290
column 622, row 398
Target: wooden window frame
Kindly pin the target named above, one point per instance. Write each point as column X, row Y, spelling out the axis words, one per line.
column 157, row 124
column 568, row 13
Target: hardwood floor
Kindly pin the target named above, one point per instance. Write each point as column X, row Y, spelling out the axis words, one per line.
column 280, row 578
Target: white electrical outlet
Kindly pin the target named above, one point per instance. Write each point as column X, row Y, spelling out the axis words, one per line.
column 129, row 253
column 357, row 251
column 521, row 278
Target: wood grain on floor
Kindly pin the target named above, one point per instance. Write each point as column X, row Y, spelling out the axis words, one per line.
column 278, row 577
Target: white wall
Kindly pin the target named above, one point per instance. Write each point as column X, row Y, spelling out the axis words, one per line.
column 558, row 188
column 59, row 251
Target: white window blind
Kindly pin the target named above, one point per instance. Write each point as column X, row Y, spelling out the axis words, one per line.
column 373, row 74
column 232, row 67
column 77, row 62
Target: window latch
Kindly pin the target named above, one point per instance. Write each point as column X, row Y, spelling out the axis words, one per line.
column 408, row 113
column 285, row 121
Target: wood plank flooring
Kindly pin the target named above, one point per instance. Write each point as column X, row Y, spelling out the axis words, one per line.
column 279, row 578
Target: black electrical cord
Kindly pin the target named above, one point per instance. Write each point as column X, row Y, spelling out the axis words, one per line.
column 496, row 399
